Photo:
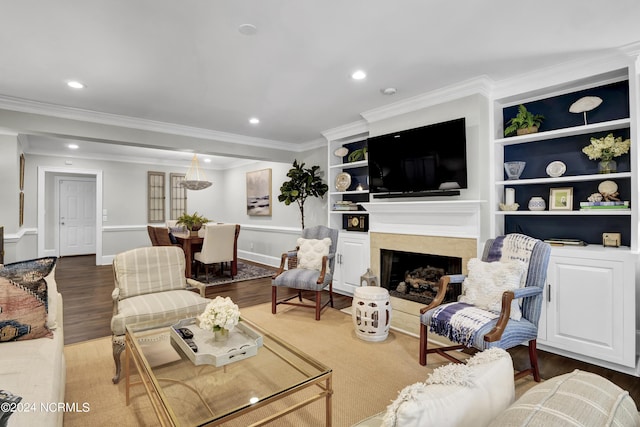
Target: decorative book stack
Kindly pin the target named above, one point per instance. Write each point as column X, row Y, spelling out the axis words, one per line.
column 344, row 205
column 604, row 205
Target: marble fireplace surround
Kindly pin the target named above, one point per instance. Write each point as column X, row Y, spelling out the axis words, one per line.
column 447, row 228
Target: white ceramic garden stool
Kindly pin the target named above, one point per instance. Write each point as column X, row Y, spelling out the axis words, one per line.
column 371, row 313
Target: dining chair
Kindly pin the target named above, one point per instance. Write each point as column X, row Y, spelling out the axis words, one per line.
column 152, row 235
column 217, row 247
column 160, row 236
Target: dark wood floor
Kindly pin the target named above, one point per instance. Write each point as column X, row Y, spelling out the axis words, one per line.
column 86, row 291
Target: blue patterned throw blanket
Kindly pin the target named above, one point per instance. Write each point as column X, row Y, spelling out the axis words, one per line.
column 459, row 321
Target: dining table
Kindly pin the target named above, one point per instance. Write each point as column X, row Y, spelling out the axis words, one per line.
column 192, row 242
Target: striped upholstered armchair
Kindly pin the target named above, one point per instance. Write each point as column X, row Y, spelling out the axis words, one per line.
column 151, row 287
column 500, row 304
column 310, row 268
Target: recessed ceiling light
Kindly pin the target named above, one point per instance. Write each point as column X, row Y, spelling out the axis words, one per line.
column 72, row 146
column 254, row 120
column 207, row 160
column 388, row 91
column 247, row 29
column 358, row 75
column 75, row 84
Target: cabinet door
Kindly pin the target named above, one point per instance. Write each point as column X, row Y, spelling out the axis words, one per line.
column 585, row 310
column 352, row 262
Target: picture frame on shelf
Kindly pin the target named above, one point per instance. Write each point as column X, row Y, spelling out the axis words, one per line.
column 561, row 199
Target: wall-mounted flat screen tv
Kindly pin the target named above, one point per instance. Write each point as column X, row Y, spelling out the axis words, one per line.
column 424, row 161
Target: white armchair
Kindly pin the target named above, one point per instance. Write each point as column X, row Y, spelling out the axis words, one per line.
column 150, row 286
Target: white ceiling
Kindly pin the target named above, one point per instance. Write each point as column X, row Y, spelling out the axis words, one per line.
column 185, row 62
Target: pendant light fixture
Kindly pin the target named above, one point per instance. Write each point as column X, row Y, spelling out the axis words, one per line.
column 195, row 179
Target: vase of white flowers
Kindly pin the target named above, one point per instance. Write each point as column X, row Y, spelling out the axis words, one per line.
column 605, row 149
column 220, row 316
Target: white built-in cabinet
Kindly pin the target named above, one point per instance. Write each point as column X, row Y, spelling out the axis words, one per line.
column 589, row 310
column 352, row 255
column 590, row 304
column 352, row 260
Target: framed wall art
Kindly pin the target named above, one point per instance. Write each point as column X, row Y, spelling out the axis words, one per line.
column 561, row 199
column 259, row 193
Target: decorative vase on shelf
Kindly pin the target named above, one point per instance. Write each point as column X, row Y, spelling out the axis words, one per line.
column 607, row 166
column 537, row 204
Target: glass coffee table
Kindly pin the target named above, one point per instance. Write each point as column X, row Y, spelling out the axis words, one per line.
column 185, row 394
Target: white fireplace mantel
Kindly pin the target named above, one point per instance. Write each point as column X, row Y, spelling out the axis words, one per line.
column 456, row 218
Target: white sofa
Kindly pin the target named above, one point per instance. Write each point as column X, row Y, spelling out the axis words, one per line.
column 35, row 370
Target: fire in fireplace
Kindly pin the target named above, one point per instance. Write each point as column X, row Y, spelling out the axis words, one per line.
column 414, row 276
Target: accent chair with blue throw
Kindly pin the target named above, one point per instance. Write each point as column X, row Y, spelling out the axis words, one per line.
column 500, row 304
column 310, row 269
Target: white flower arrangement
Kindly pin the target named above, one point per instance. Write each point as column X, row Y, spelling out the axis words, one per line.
column 607, row 148
column 220, row 313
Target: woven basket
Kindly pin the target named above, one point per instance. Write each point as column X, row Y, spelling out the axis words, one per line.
column 526, row 131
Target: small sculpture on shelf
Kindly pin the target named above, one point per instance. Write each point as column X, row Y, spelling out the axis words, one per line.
column 584, row 104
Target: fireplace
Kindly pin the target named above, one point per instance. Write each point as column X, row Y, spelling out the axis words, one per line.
column 434, row 228
column 414, row 276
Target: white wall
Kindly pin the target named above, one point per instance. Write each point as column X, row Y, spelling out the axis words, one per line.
column 125, row 199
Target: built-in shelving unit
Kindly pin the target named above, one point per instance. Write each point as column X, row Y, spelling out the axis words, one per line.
column 352, row 255
column 589, row 301
column 562, row 136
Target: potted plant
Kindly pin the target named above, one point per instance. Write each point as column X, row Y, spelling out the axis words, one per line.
column 357, row 155
column 193, row 222
column 523, row 123
column 304, row 183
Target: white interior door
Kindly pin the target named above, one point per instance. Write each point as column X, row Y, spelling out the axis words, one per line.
column 77, row 216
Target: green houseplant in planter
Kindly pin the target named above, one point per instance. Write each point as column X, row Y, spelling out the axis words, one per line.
column 357, row 155
column 193, row 222
column 304, row 183
column 523, row 123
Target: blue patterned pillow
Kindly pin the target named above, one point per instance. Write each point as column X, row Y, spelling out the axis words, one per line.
column 23, row 299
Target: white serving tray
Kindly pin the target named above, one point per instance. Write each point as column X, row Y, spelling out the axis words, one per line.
column 243, row 342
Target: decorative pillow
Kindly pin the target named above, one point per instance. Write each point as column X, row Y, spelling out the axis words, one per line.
column 24, row 299
column 486, row 281
column 311, row 251
column 457, row 394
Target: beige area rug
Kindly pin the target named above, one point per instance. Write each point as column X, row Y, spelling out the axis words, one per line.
column 366, row 376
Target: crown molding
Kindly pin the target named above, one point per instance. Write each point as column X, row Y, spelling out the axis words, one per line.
column 311, row 145
column 482, row 85
column 36, row 107
column 559, row 74
column 352, row 129
column 631, row 49
column 8, row 132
